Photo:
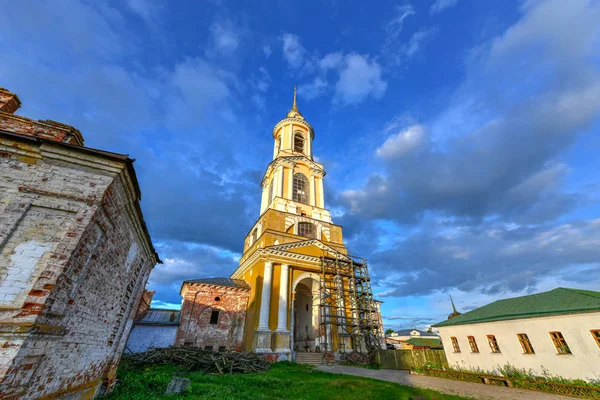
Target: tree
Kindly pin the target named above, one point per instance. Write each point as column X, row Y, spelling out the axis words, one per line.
column 389, row 331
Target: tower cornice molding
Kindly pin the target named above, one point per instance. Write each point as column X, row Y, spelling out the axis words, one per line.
column 318, row 172
column 279, row 254
column 291, row 161
column 295, row 121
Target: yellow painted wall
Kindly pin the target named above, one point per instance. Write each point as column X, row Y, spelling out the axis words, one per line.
column 251, row 277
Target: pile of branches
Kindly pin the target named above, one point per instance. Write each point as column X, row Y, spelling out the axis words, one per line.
column 196, row 359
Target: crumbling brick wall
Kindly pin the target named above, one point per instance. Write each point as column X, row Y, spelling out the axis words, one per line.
column 199, row 302
column 74, row 259
column 145, row 303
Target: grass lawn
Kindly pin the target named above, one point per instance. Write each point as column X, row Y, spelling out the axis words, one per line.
column 284, row 381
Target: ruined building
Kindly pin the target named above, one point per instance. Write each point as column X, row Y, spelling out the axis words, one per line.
column 75, row 255
column 307, row 293
column 213, row 314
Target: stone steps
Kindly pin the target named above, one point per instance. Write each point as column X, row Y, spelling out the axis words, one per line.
column 309, row 358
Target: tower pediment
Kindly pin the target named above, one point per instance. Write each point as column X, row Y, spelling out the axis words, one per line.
column 312, row 247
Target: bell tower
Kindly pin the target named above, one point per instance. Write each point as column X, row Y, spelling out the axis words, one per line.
column 296, row 303
column 293, row 181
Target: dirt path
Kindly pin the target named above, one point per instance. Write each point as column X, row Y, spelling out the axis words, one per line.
column 465, row 389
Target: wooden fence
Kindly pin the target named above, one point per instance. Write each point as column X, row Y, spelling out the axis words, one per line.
column 408, row 359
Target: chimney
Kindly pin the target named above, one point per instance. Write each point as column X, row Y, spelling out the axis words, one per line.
column 9, row 102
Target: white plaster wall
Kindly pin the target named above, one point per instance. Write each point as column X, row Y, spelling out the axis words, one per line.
column 583, row 363
column 143, row 337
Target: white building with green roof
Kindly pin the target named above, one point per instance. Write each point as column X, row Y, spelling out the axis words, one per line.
column 557, row 331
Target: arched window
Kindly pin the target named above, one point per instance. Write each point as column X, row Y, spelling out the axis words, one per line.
column 306, row 229
column 300, row 188
column 254, row 235
column 270, row 192
column 298, row 142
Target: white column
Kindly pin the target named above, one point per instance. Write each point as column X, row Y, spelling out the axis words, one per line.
column 292, row 321
column 290, row 195
column 321, row 193
column 280, row 181
column 283, row 299
column 265, row 298
column 312, row 190
column 265, row 195
column 309, row 146
column 275, row 183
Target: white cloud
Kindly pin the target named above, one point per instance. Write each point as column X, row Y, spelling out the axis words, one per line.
column 416, row 41
column 224, row 37
column 267, row 50
column 396, row 49
column 263, row 81
column 331, row 61
column 314, row 89
column 201, row 90
column 441, row 5
column 149, row 11
column 293, row 52
column 394, row 27
column 360, row 77
column 403, row 142
column 260, row 85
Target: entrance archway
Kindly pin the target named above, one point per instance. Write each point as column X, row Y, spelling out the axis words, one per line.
column 306, row 314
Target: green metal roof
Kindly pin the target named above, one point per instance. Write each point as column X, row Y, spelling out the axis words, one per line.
column 554, row 302
column 431, row 343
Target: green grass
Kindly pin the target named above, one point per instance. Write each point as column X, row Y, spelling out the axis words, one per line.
column 284, row 381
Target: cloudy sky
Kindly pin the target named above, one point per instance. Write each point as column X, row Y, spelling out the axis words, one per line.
column 460, row 137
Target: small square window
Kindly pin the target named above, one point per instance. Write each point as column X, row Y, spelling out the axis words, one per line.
column 525, row 343
column 221, row 349
column 188, row 344
column 560, row 343
column 473, row 344
column 209, row 348
column 455, row 345
column 596, row 335
column 214, row 317
column 493, row 343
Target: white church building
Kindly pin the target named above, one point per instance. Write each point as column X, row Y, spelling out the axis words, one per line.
column 557, row 331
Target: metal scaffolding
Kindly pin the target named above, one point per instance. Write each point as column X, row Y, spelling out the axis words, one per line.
column 348, row 315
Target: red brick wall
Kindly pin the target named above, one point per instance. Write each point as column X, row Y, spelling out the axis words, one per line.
column 144, row 303
column 199, row 301
column 64, row 324
column 46, row 129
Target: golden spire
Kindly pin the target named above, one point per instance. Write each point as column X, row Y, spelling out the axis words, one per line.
column 294, row 112
column 295, row 106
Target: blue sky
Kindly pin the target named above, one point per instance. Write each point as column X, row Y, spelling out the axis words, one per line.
column 460, row 138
